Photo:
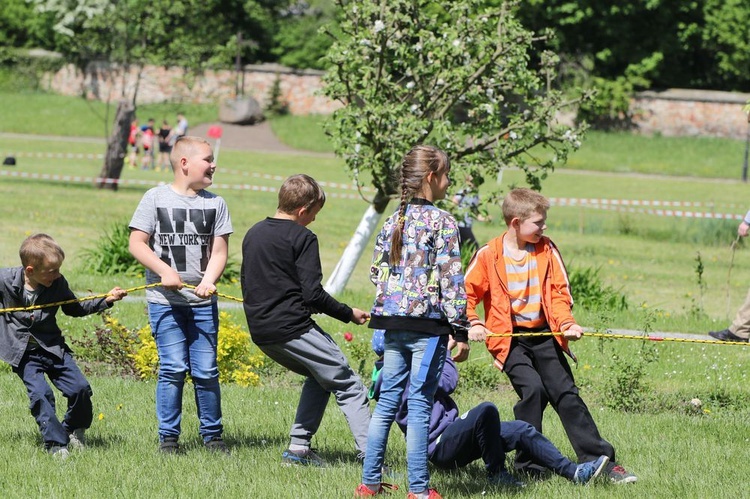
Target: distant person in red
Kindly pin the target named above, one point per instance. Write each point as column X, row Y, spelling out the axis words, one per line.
column 147, row 141
column 133, row 144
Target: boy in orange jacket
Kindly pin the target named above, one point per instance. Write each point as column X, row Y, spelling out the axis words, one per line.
column 521, row 280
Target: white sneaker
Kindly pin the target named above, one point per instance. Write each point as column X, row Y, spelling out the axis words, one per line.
column 77, row 439
column 59, row 452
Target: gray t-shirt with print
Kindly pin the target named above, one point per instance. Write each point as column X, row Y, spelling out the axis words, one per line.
column 181, row 230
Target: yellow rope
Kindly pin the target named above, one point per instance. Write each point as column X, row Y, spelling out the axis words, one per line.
column 74, row 300
column 514, row 335
column 624, row 337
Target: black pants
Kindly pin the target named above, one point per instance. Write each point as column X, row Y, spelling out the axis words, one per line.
column 540, row 374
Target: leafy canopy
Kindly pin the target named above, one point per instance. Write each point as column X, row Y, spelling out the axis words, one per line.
column 457, row 75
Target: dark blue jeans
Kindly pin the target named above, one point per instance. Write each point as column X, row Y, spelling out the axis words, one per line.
column 480, row 434
column 67, row 378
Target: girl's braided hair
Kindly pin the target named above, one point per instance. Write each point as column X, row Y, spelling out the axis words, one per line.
column 416, row 165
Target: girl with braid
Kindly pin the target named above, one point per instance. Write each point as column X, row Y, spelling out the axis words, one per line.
column 417, row 336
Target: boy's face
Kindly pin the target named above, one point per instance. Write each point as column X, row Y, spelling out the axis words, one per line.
column 531, row 229
column 44, row 274
column 199, row 165
column 307, row 216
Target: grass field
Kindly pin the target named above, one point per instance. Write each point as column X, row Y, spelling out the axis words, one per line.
column 676, row 452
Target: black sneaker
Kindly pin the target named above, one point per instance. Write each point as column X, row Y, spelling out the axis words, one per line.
column 727, row 335
column 620, row 475
column 169, row 445
column 217, row 444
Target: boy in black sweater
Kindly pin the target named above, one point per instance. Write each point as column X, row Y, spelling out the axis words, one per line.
column 281, row 289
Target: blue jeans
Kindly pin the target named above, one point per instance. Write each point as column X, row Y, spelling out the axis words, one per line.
column 415, row 361
column 65, row 375
column 186, row 340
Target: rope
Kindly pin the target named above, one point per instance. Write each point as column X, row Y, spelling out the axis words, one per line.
column 623, row 337
column 74, row 300
column 499, row 335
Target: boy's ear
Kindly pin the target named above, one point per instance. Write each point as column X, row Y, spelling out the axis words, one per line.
column 29, row 269
column 515, row 223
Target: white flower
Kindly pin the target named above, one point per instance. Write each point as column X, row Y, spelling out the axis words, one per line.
column 456, row 42
column 513, row 135
column 418, row 47
column 414, row 108
column 423, row 131
column 357, row 147
column 410, row 85
column 379, row 26
column 440, row 82
column 365, row 42
column 489, row 92
column 488, row 108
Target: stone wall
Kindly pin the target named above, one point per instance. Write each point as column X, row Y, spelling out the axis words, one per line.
column 674, row 112
column 681, row 112
column 299, row 88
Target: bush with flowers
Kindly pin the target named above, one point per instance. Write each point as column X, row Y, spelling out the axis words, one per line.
column 359, row 352
column 238, row 362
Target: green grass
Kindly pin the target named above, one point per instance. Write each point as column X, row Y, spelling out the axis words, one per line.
column 50, row 114
column 302, row 132
column 650, row 259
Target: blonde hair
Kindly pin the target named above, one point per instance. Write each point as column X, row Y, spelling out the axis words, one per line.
column 38, row 249
column 522, row 203
column 416, row 165
column 300, row 191
column 185, row 146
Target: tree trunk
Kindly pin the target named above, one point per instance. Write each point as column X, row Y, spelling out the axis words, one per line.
column 353, row 251
column 117, row 147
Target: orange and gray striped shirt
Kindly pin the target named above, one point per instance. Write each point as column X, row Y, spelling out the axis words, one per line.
column 524, row 290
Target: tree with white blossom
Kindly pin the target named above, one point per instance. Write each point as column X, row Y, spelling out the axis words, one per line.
column 457, row 75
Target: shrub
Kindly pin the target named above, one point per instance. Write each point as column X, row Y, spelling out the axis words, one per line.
column 625, row 388
column 111, row 256
column 238, row 362
column 110, row 349
column 589, row 291
column 358, row 350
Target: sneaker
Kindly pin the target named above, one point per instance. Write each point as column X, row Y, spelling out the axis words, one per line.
column 77, row 439
column 428, row 494
column 505, row 479
column 365, row 491
column 169, row 445
column 586, row 472
column 618, row 474
column 59, row 452
column 217, row 444
column 304, row 458
column 727, row 335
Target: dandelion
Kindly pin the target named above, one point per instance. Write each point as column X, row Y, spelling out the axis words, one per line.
column 119, row 407
column 101, row 416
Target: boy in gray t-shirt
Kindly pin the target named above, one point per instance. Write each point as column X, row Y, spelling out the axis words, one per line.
column 180, row 233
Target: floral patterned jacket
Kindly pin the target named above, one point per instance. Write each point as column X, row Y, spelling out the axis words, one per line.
column 425, row 292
